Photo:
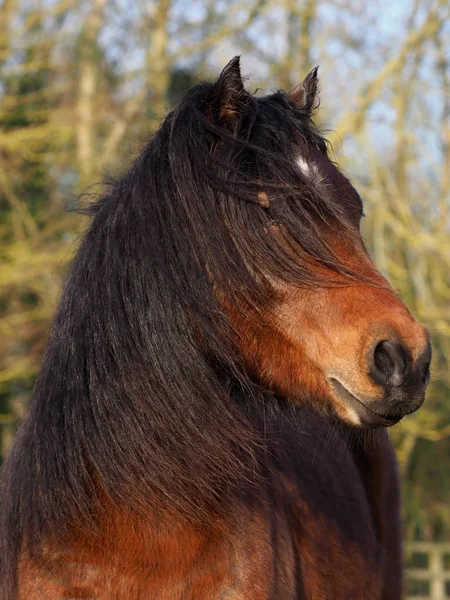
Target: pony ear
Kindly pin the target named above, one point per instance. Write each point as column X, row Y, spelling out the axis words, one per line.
column 228, row 96
column 305, row 94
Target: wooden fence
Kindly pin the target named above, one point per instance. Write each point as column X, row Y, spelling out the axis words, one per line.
column 427, row 571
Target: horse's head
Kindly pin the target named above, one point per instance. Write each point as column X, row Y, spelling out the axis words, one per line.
column 334, row 331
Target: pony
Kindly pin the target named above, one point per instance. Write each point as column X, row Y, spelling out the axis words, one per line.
column 210, row 416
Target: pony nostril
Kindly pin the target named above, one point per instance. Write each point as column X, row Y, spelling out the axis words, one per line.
column 389, row 363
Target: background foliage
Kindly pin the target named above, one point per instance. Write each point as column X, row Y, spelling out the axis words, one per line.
column 84, row 83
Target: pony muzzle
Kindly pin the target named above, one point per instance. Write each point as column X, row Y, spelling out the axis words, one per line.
column 401, row 379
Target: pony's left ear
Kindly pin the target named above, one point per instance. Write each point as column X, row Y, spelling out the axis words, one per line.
column 305, row 94
column 228, row 97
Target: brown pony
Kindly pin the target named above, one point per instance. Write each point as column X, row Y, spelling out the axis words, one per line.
column 209, row 419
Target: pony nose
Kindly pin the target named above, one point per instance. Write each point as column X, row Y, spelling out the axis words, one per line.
column 392, row 365
column 390, row 362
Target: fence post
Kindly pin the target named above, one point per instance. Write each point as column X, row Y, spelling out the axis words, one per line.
column 437, row 582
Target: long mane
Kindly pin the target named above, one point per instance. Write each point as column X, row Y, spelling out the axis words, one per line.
column 133, row 398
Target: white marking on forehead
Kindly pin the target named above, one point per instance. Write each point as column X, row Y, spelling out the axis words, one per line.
column 304, row 166
column 310, row 169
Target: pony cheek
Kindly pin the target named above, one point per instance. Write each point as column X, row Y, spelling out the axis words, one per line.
column 285, row 358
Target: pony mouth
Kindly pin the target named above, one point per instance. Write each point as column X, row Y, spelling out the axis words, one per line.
column 367, row 416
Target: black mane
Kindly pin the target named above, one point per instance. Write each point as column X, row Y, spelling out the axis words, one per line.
column 133, row 397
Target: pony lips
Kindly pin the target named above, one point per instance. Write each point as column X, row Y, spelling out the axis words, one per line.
column 363, row 413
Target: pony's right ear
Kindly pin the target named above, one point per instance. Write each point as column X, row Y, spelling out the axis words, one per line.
column 228, row 97
column 305, row 94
